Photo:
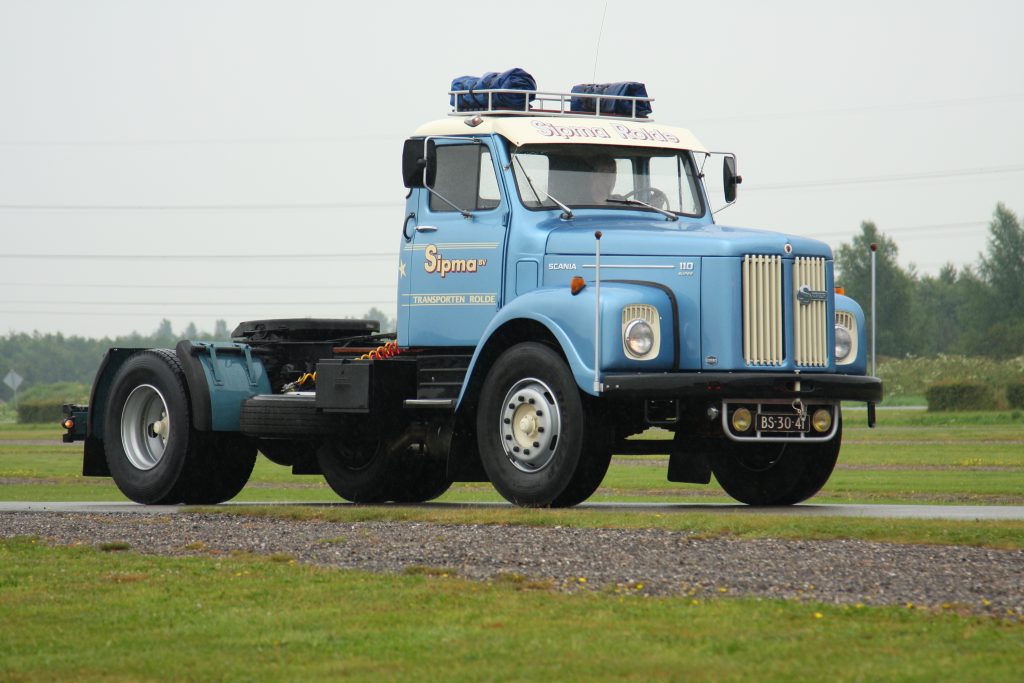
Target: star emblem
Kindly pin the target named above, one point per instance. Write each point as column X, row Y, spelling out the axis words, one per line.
column 401, row 268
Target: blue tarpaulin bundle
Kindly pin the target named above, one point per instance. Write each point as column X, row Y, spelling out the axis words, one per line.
column 619, row 107
column 513, row 79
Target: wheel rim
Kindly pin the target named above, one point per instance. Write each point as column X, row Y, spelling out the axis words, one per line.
column 530, row 424
column 145, row 427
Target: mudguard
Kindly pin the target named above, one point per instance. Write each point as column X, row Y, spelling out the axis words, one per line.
column 570, row 319
column 220, row 375
column 860, row 365
column 94, row 464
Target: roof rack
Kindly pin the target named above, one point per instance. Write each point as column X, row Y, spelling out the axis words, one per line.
column 548, row 104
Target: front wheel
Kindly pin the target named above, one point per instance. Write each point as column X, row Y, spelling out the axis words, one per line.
column 538, row 444
column 775, row 473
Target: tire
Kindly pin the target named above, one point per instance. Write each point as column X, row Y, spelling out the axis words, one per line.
column 282, row 415
column 148, row 437
column 775, row 473
column 538, row 445
column 357, row 466
column 224, row 464
column 418, row 478
column 154, row 454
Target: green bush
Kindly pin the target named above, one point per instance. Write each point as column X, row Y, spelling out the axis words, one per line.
column 34, row 412
column 44, row 402
column 911, row 376
column 1015, row 395
column 946, row 396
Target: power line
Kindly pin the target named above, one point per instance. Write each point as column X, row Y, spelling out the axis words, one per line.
column 765, row 187
column 843, row 111
column 62, row 302
column 157, row 142
column 204, row 257
column 323, row 206
column 74, row 285
column 927, row 175
column 937, row 227
column 127, row 314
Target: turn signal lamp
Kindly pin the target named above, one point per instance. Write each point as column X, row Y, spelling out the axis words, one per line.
column 821, row 420
column 741, row 420
column 69, row 424
column 577, row 284
column 841, row 291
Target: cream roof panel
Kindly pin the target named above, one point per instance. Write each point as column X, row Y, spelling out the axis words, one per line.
column 536, row 130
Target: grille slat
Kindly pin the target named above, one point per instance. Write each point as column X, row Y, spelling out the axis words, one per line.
column 810, row 317
column 762, row 310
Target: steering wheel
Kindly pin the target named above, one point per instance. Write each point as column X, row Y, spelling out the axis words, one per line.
column 651, row 195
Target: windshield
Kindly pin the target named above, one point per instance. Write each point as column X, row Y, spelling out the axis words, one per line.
column 609, row 177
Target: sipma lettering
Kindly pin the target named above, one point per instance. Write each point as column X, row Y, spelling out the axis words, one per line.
column 435, row 262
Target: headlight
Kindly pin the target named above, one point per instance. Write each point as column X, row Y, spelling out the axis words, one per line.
column 638, row 338
column 844, row 343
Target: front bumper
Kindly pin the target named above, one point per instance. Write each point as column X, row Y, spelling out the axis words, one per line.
column 742, row 385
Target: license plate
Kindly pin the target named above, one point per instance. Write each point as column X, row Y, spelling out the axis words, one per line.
column 773, row 422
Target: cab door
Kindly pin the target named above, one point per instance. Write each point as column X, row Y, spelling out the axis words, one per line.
column 453, row 264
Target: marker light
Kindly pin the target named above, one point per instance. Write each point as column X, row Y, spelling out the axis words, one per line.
column 577, row 284
column 821, row 420
column 841, row 291
column 741, row 420
column 69, row 424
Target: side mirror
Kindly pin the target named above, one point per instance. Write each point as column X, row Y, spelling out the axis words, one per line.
column 730, row 179
column 413, row 163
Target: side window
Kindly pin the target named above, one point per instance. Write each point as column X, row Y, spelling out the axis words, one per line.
column 488, row 197
column 465, row 177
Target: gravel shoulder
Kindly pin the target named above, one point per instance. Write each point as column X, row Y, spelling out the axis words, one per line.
column 653, row 562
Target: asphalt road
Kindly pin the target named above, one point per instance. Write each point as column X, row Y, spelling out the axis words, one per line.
column 962, row 512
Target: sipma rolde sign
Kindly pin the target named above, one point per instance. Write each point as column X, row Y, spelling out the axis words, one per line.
column 618, row 130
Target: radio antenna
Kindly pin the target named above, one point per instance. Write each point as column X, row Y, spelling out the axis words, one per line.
column 600, row 32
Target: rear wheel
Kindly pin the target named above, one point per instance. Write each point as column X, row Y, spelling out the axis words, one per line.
column 154, row 454
column 357, row 465
column 538, row 444
column 417, row 477
column 775, row 473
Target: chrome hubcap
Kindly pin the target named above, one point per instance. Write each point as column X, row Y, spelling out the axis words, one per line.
column 530, row 425
column 145, row 427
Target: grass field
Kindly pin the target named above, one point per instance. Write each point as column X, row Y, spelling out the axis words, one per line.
column 250, row 618
column 82, row 614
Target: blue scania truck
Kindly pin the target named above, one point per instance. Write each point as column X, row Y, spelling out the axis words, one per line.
column 562, row 287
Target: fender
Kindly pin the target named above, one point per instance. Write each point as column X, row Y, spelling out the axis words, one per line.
column 220, row 375
column 860, row 365
column 94, row 463
column 570, row 320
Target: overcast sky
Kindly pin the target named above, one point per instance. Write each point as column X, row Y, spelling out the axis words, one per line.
column 262, row 140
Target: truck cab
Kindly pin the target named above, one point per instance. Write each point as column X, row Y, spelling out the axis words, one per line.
column 562, row 287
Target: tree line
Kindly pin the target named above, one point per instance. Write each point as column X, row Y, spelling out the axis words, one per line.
column 49, row 358
column 976, row 311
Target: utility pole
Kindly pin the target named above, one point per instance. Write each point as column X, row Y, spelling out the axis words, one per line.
column 874, row 250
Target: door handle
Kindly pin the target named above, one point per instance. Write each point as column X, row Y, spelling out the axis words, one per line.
column 426, row 228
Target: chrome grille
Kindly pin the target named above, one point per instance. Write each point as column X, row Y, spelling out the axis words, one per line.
column 762, row 310
column 810, row 318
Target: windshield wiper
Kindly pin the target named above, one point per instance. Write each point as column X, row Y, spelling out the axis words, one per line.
column 567, row 213
column 636, row 202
